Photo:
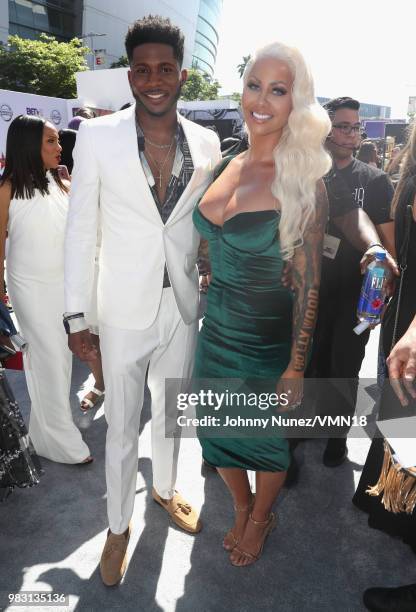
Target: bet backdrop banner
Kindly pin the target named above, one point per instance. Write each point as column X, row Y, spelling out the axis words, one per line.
column 13, row 103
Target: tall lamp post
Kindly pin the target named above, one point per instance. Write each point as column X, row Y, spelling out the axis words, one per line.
column 91, row 36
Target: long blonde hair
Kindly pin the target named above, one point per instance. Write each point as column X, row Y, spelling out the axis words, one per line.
column 406, row 186
column 300, row 157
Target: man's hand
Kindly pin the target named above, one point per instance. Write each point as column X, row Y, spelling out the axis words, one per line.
column 391, row 263
column 80, row 343
column 402, row 366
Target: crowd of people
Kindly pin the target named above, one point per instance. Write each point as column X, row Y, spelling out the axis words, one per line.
column 283, row 226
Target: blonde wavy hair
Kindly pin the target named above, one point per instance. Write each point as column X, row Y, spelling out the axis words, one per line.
column 406, row 187
column 300, row 157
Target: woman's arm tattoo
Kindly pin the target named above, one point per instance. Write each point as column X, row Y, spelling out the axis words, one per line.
column 306, row 280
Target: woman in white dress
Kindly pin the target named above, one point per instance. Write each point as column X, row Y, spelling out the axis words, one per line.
column 33, row 210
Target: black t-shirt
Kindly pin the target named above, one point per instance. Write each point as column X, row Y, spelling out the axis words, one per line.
column 340, row 203
column 339, row 194
column 370, row 189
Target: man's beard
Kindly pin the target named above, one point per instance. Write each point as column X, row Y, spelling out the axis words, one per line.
column 141, row 105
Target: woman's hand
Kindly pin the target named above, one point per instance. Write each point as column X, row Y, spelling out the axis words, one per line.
column 291, row 384
column 401, row 364
column 64, row 174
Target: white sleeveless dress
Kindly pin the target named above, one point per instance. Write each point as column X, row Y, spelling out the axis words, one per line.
column 35, row 283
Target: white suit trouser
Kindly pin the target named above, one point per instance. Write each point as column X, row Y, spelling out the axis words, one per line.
column 168, row 348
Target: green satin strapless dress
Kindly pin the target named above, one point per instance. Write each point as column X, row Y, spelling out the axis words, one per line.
column 247, row 330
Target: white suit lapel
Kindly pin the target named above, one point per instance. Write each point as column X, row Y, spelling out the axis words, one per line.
column 200, row 162
column 135, row 178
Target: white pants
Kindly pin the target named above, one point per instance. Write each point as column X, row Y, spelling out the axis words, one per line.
column 168, row 348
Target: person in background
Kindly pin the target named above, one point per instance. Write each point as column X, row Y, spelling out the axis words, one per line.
column 395, row 155
column 393, row 167
column 85, row 112
column 81, row 115
column 67, row 140
column 367, row 153
column 401, row 365
column 75, row 123
column 337, row 352
column 33, row 210
column 398, row 325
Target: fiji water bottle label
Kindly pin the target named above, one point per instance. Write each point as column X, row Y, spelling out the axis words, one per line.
column 372, row 295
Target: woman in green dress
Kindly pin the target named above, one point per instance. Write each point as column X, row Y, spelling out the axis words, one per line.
column 266, row 206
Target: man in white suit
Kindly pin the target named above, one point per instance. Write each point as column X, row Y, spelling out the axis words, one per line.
column 145, row 167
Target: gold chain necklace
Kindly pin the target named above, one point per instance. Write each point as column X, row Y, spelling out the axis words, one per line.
column 160, row 165
column 157, row 146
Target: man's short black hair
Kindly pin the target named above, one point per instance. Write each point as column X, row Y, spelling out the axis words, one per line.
column 155, row 29
column 336, row 103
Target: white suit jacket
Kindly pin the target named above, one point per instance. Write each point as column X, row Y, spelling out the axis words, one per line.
column 135, row 242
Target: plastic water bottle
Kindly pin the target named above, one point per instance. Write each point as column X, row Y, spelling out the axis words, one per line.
column 373, row 293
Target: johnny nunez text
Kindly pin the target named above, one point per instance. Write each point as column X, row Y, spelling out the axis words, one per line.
column 274, row 421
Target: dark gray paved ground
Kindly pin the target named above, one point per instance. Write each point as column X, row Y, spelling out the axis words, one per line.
column 319, row 559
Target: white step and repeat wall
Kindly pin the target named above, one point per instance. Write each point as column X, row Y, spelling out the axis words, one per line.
column 13, row 103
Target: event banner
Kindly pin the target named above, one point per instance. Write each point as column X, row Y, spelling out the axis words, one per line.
column 13, row 103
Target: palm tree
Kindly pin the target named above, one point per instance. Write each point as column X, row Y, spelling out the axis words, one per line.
column 241, row 67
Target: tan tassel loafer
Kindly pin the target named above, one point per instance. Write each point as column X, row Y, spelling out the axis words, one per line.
column 113, row 561
column 182, row 513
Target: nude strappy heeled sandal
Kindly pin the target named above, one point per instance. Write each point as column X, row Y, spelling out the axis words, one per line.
column 87, row 404
column 230, row 534
column 251, row 558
